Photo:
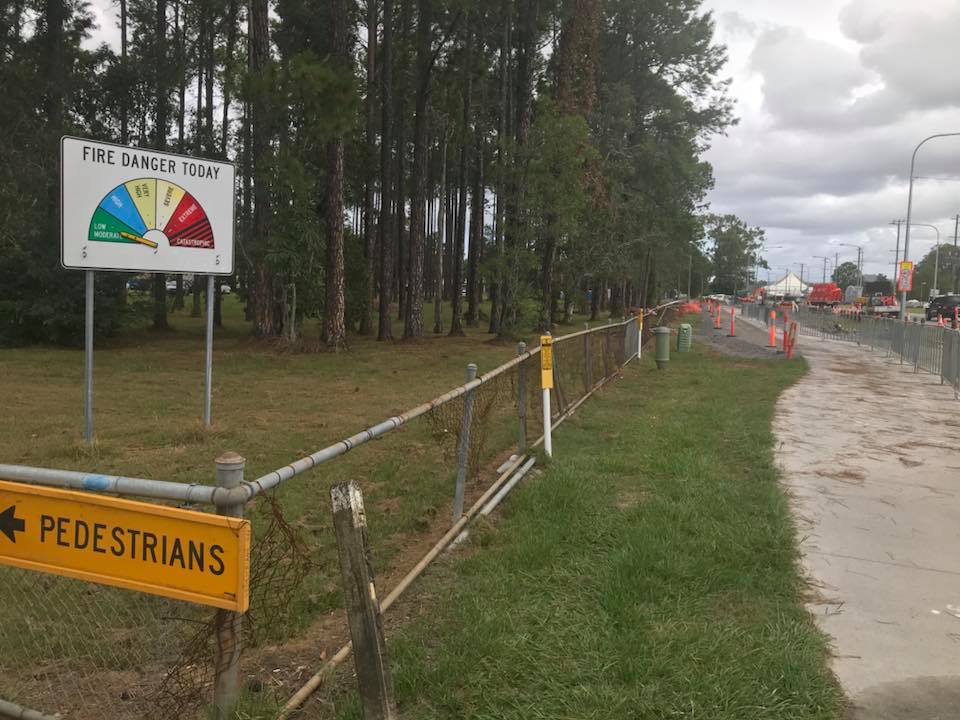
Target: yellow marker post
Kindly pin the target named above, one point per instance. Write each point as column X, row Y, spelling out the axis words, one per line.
column 639, row 334
column 182, row 554
column 546, row 382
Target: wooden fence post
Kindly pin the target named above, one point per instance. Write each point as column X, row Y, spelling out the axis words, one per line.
column 363, row 605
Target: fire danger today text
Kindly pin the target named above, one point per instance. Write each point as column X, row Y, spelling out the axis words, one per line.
column 130, row 159
column 139, row 545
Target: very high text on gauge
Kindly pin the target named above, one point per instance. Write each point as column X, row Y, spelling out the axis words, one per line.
column 154, row 163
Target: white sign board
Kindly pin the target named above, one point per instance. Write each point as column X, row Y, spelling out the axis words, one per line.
column 125, row 208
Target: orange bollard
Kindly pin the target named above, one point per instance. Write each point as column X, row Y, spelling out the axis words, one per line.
column 733, row 322
column 716, row 319
column 791, row 339
column 940, row 322
column 773, row 329
column 956, row 320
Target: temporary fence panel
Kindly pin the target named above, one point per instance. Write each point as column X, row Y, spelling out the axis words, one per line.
column 925, row 346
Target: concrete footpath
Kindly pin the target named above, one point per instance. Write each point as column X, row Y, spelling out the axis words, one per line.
column 870, row 453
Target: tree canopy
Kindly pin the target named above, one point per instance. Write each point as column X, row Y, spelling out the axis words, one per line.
column 390, row 153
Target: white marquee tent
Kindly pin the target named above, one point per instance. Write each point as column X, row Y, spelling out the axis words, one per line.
column 789, row 284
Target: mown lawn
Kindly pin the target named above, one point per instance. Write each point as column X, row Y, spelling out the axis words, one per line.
column 650, row 572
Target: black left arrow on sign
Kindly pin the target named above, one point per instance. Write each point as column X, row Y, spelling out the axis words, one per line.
column 10, row 524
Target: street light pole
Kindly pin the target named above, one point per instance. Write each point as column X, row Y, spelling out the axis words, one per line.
column 825, row 261
column 906, row 237
column 859, row 261
column 936, row 262
column 896, row 255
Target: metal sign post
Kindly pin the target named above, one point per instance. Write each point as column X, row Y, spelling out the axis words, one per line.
column 208, row 370
column 88, row 359
column 134, row 210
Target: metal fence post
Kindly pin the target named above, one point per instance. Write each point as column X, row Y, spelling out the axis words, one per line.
column 229, row 625
column 522, row 400
column 363, row 606
column 462, row 455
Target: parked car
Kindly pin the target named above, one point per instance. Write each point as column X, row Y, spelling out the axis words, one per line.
column 140, row 284
column 943, row 306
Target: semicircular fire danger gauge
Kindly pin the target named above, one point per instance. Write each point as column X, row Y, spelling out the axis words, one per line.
column 152, row 213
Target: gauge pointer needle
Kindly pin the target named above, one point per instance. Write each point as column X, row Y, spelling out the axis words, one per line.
column 137, row 238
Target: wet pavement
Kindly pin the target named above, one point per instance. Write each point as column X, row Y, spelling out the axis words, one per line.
column 869, row 454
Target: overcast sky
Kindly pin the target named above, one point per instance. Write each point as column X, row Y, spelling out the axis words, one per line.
column 832, row 96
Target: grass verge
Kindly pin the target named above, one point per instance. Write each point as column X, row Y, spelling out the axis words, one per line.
column 650, row 572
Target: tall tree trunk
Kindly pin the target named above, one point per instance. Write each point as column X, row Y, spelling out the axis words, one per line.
column 456, row 322
column 125, row 69
column 369, row 228
column 477, row 209
column 546, row 277
column 400, row 195
column 228, row 73
column 527, row 48
column 209, row 73
column 124, row 126
column 449, row 199
column 413, row 322
column 53, row 69
column 179, row 26
column 441, row 239
column 160, row 143
column 246, row 212
column 496, row 308
column 334, row 330
column 264, row 316
column 385, row 330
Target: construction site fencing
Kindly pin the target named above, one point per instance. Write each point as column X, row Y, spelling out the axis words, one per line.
column 927, row 346
column 80, row 650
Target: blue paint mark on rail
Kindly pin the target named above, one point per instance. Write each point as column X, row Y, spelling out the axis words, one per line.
column 96, row 482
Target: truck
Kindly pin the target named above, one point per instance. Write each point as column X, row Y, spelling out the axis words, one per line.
column 824, row 294
column 881, row 305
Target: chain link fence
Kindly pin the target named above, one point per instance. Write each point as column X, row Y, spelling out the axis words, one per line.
column 85, row 651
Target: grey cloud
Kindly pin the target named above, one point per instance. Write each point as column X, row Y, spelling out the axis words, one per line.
column 806, row 82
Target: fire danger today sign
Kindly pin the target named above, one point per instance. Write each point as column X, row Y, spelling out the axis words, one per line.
column 182, row 554
column 126, row 208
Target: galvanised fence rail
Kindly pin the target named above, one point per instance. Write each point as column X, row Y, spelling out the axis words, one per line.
column 923, row 345
column 80, row 650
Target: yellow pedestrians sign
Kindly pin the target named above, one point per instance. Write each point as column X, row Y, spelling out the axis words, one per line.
column 546, row 361
column 182, row 554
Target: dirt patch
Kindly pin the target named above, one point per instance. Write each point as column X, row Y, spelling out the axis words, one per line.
column 629, row 499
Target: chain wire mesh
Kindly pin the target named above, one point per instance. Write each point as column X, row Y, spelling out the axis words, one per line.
column 82, row 650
